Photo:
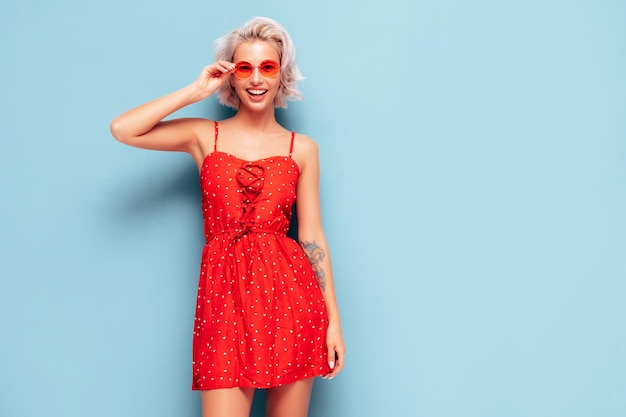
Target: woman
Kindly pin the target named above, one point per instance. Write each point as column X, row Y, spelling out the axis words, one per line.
column 266, row 314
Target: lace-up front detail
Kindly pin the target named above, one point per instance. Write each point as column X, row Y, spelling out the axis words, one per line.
column 250, row 180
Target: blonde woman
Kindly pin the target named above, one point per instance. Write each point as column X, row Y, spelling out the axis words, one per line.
column 266, row 314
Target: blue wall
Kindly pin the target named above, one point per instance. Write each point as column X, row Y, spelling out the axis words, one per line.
column 474, row 171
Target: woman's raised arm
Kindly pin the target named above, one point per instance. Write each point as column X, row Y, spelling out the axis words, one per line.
column 143, row 126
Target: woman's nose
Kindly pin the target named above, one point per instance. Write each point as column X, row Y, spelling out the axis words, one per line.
column 256, row 75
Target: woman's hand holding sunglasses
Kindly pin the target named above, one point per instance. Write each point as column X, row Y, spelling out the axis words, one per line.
column 213, row 76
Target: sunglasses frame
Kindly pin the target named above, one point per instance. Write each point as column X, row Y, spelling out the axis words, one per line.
column 259, row 67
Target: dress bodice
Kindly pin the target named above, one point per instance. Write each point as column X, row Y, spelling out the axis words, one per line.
column 241, row 196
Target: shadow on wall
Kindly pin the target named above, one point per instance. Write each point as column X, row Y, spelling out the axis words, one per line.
column 139, row 196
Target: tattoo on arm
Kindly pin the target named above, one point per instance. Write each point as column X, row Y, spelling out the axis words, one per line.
column 316, row 256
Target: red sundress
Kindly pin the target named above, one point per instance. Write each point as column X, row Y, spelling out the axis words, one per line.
column 260, row 315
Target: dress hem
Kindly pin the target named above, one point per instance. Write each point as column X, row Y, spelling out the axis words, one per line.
column 257, row 386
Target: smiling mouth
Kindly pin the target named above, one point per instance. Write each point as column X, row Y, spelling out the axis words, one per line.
column 256, row 92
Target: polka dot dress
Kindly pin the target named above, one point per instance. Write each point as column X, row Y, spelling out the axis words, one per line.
column 260, row 315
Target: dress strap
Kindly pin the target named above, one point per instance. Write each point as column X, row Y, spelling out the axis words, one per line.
column 216, row 132
column 293, row 135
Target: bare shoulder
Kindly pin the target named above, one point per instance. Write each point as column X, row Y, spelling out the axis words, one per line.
column 200, row 129
column 304, row 143
column 305, row 151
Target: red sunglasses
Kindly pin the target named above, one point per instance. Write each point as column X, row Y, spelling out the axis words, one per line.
column 268, row 69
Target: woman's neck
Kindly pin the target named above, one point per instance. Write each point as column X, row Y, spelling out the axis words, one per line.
column 262, row 121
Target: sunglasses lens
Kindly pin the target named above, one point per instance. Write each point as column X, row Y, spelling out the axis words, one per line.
column 269, row 68
column 243, row 70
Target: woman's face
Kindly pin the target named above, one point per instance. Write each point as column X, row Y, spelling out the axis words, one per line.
column 257, row 92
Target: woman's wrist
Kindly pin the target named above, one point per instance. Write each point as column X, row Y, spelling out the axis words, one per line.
column 195, row 93
column 334, row 320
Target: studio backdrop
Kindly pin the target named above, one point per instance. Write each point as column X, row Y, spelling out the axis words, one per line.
column 473, row 161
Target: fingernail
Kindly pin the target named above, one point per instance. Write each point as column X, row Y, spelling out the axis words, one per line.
column 331, row 364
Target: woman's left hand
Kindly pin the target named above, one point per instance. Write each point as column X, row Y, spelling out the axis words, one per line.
column 336, row 350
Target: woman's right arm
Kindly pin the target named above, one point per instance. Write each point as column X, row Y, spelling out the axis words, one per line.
column 143, row 126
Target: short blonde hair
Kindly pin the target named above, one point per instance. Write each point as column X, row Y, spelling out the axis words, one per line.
column 268, row 30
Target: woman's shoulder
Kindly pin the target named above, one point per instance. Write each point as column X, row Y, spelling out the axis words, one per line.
column 305, row 152
column 304, row 144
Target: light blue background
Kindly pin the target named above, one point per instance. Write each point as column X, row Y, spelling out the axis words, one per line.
column 474, row 168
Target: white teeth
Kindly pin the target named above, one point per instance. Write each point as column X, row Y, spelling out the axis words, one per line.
column 257, row 92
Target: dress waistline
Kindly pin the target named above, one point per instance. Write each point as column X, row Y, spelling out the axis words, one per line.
column 237, row 233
